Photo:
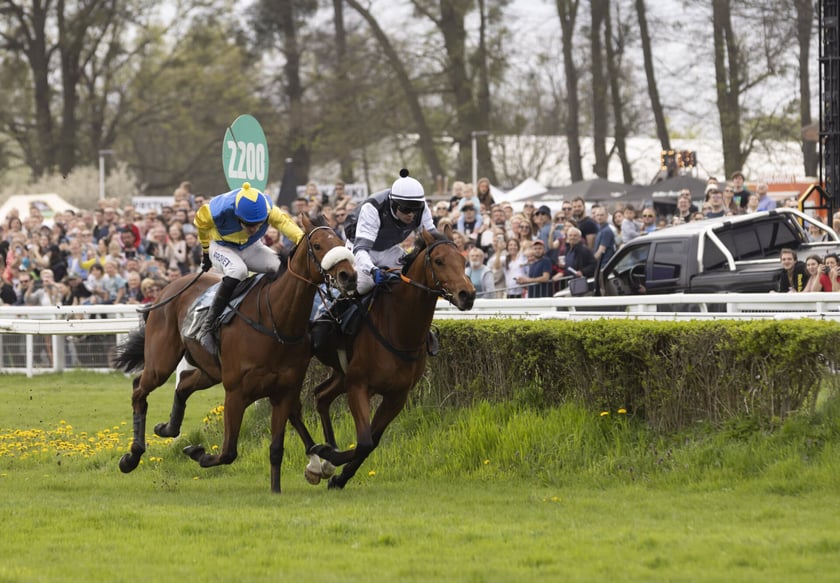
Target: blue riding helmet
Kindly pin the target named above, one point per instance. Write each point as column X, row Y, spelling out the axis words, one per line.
column 252, row 206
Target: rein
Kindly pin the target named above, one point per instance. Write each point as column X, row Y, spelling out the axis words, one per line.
column 328, row 279
column 148, row 308
column 439, row 290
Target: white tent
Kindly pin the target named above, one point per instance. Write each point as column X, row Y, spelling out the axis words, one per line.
column 526, row 189
column 48, row 204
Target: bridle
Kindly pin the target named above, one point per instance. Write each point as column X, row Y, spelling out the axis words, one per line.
column 332, row 260
column 439, row 289
column 326, row 277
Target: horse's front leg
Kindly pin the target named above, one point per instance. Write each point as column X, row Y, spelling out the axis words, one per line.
column 325, row 394
column 387, row 411
column 317, row 469
column 235, row 406
column 359, row 403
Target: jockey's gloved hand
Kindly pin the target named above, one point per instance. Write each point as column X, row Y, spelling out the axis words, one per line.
column 206, row 264
column 381, row 276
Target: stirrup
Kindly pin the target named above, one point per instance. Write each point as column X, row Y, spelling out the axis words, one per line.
column 432, row 342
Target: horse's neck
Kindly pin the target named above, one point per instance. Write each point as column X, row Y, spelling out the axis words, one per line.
column 418, row 309
column 291, row 299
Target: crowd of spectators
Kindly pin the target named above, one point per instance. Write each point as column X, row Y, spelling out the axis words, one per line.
column 119, row 254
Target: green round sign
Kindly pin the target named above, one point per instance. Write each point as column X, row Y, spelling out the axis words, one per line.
column 245, row 154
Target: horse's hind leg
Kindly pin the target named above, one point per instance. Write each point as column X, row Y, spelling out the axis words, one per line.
column 147, row 382
column 190, row 380
column 325, row 394
column 235, row 406
column 387, row 411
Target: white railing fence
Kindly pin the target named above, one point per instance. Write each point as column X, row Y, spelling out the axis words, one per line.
column 52, row 339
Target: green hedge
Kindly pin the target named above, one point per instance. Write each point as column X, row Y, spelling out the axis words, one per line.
column 669, row 373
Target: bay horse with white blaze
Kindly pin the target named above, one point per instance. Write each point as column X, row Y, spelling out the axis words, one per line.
column 388, row 355
column 263, row 352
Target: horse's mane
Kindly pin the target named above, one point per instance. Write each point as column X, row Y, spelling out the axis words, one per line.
column 419, row 246
column 286, row 255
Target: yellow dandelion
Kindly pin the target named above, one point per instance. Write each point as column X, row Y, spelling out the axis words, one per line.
column 371, row 473
column 214, row 448
column 486, row 462
column 195, row 478
column 604, row 413
column 622, row 411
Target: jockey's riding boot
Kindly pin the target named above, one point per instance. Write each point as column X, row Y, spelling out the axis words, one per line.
column 325, row 325
column 321, row 330
column 211, row 318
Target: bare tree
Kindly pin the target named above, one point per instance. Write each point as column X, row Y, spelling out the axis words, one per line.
column 598, row 11
column 427, row 145
column 653, row 89
column 52, row 37
column 616, row 78
column 567, row 12
column 804, row 34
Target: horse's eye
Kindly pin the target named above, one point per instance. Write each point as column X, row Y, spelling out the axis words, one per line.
column 439, row 262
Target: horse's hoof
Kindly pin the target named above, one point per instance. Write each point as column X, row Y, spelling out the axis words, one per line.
column 312, row 477
column 162, row 430
column 335, row 484
column 194, row 451
column 327, row 469
column 128, row 463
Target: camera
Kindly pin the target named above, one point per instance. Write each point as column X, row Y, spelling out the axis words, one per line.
column 826, row 269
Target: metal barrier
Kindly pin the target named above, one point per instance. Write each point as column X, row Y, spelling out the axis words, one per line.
column 37, row 339
column 82, row 336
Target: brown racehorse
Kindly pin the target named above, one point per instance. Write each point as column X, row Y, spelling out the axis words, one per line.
column 264, row 350
column 388, row 356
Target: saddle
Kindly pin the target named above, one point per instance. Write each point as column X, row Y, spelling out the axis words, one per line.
column 198, row 309
column 336, row 328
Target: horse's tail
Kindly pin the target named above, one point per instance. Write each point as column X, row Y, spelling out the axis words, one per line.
column 129, row 355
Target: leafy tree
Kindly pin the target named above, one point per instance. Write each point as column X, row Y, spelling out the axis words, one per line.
column 181, row 100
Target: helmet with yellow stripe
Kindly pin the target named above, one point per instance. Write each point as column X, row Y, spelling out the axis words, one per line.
column 251, row 206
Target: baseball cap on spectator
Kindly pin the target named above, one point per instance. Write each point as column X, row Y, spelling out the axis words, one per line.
column 538, row 242
column 544, row 210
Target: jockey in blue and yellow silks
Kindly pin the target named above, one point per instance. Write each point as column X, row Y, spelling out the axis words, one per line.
column 230, row 228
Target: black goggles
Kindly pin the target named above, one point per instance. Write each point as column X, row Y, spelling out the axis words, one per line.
column 408, row 208
column 250, row 225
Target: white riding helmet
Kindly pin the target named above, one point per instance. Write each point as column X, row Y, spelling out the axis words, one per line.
column 407, row 193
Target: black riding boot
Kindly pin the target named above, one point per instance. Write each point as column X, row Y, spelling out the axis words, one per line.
column 324, row 326
column 211, row 319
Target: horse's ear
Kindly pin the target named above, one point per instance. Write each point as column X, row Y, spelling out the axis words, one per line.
column 304, row 220
column 427, row 237
column 447, row 231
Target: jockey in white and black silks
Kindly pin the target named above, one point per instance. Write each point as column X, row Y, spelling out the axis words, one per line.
column 230, row 229
column 385, row 220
